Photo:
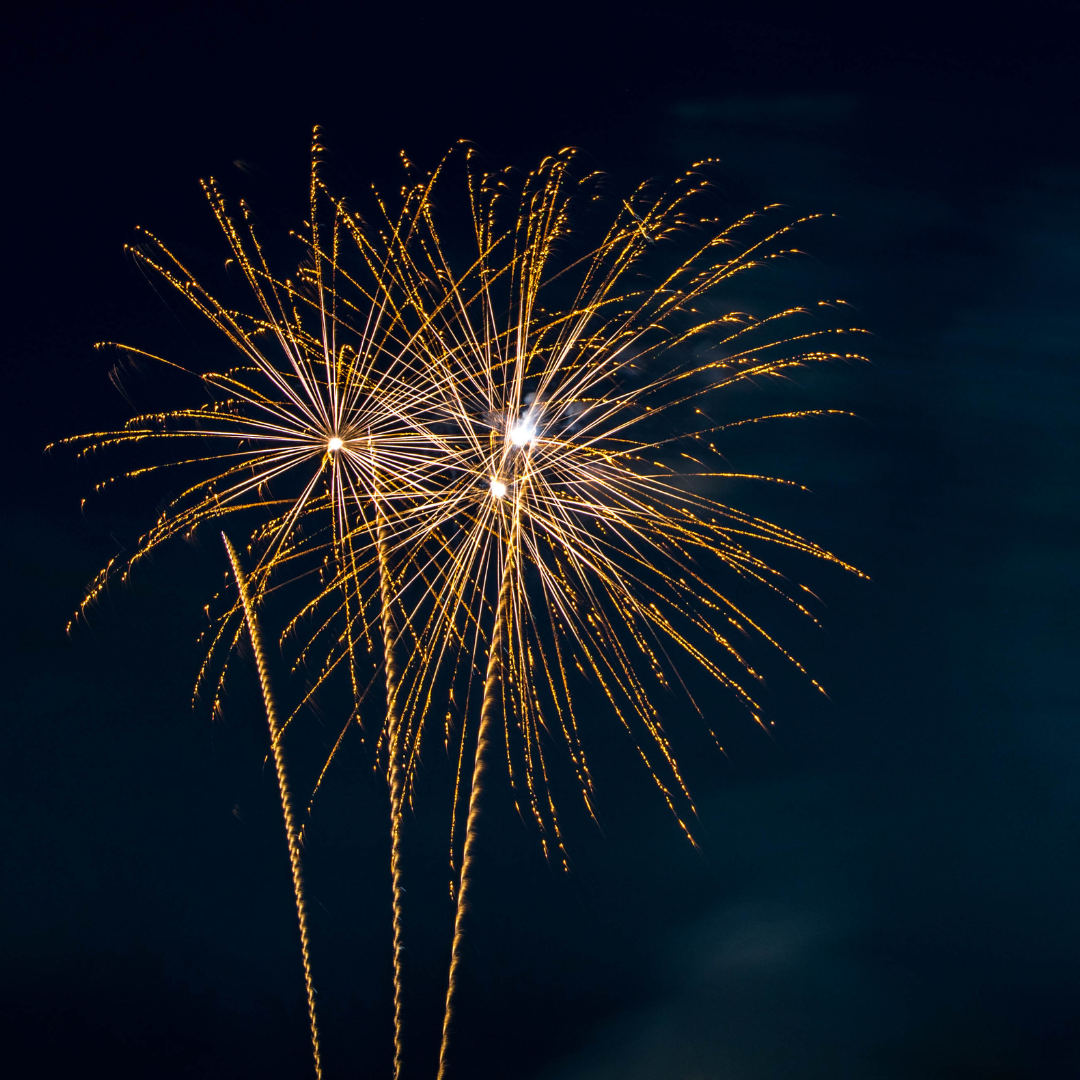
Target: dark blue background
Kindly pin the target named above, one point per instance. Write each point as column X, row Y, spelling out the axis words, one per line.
column 887, row 886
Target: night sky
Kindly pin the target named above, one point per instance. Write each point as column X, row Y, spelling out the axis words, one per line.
column 886, row 886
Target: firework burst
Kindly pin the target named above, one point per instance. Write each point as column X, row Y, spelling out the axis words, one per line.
column 306, row 442
column 571, row 539
column 485, row 450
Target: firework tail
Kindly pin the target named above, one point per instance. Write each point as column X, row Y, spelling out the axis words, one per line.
column 488, row 726
column 292, row 829
column 397, row 767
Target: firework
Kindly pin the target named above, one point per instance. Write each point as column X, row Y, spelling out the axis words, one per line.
column 486, row 448
column 565, row 530
column 305, row 442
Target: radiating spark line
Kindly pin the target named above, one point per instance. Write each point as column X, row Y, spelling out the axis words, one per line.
column 395, row 769
column 493, row 685
column 292, row 830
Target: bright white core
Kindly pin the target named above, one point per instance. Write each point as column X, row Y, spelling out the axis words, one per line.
column 522, row 433
column 334, row 444
column 498, row 488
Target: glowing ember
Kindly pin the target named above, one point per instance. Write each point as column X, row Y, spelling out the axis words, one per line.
column 522, row 433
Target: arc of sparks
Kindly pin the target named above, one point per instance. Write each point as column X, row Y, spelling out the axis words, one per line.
column 292, row 829
column 485, row 745
column 395, row 770
column 509, row 444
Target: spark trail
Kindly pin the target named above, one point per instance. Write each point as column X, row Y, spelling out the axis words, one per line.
column 292, row 829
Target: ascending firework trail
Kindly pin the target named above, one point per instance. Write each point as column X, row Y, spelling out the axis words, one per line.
column 292, row 829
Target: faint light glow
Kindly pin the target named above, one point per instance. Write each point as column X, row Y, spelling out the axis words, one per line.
column 498, row 488
column 334, row 444
column 523, row 432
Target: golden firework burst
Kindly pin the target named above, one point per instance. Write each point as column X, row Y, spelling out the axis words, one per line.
column 307, row 443
column 571, row 533
column 481, row 441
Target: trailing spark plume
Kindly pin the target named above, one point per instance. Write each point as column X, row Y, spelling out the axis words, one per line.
column 292, row 828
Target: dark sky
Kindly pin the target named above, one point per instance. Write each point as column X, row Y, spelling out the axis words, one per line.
column 887, row 887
